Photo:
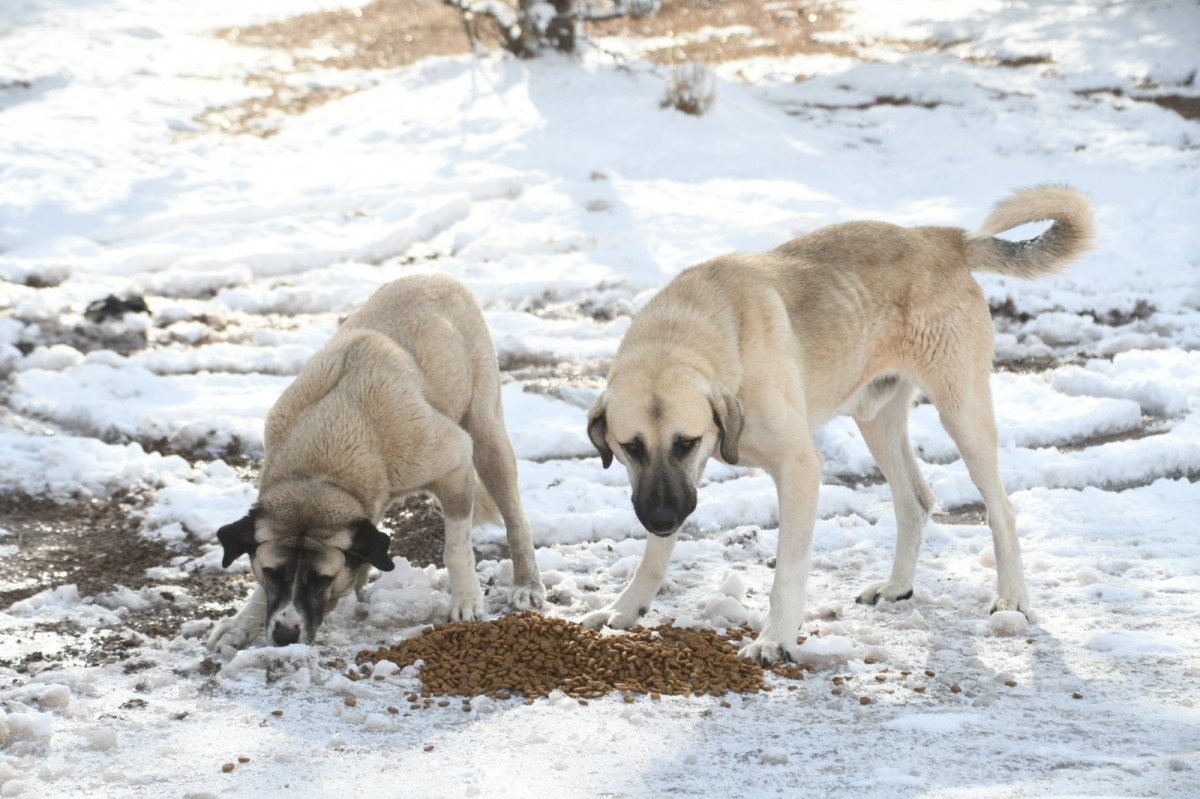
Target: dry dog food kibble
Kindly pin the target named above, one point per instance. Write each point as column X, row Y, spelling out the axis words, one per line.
column 531, row 655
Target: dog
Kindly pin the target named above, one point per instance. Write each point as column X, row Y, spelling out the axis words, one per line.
column 404, row 398
column 743, row 357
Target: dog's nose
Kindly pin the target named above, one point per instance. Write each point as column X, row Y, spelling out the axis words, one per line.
column 284, row 635
column 660, row 520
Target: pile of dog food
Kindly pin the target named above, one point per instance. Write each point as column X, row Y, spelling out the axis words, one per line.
column 531, row 655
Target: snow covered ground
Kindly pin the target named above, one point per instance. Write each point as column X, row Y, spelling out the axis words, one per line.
column 564, row 196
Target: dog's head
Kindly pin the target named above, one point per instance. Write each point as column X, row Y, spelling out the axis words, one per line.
column 303, row 563
column 664, row 430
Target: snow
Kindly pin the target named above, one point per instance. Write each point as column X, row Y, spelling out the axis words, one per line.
column 564, row 197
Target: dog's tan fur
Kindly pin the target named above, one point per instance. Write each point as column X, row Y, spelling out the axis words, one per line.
column 743, row 357
column 405, row 398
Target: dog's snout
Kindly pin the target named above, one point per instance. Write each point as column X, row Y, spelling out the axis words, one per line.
column 660, row 520
column 284, row 634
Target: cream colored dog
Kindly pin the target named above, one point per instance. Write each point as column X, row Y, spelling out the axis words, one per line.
column 405, row 398
column 743, row 357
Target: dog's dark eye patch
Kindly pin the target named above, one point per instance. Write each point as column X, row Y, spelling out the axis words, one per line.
column 682, row 446
column 318, row 582
column 273, row 575
column 635, row 449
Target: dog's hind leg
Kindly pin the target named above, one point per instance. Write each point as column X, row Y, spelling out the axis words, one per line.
column 496, row 464
column 455, row 491
column 886, row 434
column 969, row 419
column 634, row 601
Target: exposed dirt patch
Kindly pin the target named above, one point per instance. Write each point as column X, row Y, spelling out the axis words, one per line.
column 391, row 33
column 1186, row 107
column 733, row 30
column 1150, row 426
column 380, row 35
column 974, row 513
column 418, row 531
column 1034, row 365
column 885, row 99
column 94, row 545
column 97, row 547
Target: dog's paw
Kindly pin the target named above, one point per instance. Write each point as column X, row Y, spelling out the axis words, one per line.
column 613, row 618
column 227, row 632
column 468, row 608
column 1020, row 604
column 528, row 597
column 765, row 651
column 892, row 592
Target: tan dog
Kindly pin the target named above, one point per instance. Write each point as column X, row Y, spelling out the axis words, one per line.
column 405, row 398
column 745, row 356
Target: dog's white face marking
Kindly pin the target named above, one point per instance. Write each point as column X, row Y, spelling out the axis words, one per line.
column 300, row 576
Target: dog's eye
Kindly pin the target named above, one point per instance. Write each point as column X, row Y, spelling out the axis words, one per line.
column 635, row 450
column 319, row 582
column 272, row 575
column 683, row 446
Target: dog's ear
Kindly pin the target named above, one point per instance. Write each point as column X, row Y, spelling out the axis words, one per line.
column 371, row 545
column 598, row 431
column 238, row 538
column 727, row 413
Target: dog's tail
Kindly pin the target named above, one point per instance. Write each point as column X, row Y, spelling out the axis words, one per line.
column 485, row 510
column 1068, row 238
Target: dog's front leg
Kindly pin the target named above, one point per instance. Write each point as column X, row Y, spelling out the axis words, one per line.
column 237, row 631
column 634, row 601
column 797, row 483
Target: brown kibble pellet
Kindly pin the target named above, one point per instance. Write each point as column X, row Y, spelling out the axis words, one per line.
column 725, row 704
column 532, row 655
column 837, row 691
column 864, row 700
column 428, row 747
column 243, row 759
column 444, row 703
column 1011, row 683
column 919, row 689
column 276, row 712
column 393, row 710
column 1077, row 695
column 929, row 673
column 881, row 677
column 351, row 701
column 228, row 767
column 954, row 689
column 583, row 701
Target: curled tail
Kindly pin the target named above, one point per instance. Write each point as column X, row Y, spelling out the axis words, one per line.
column 1069, row 237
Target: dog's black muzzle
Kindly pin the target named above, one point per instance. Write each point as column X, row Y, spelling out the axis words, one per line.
column 662, row 501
